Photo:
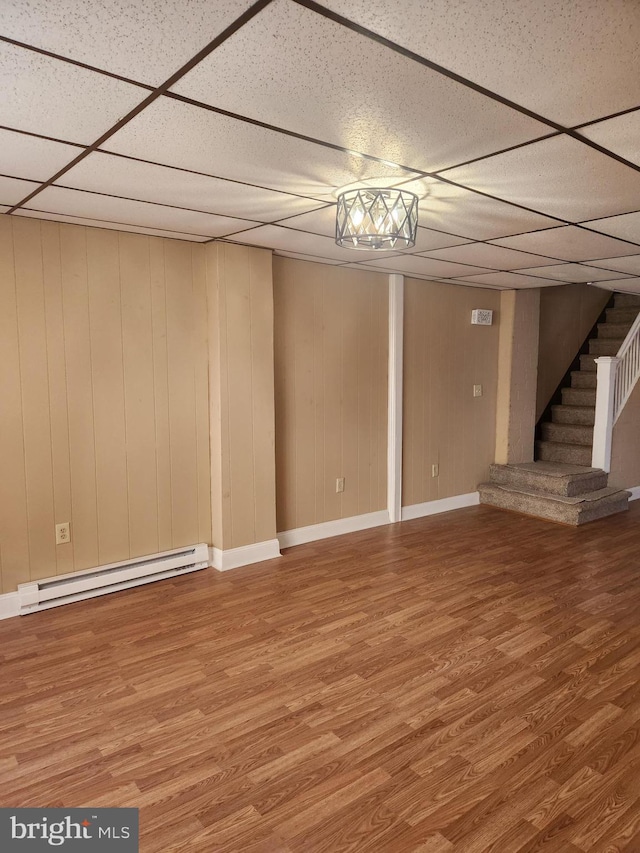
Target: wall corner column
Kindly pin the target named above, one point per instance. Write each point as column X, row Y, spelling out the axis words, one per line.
column 241, row 404
column 394, row 430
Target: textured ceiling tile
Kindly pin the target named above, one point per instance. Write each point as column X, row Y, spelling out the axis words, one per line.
column 572, row 273
column 509, row 280
column 112, row 226
column 619, row 135
column 625, row 227
column 457, row 210
column 494, row 257
column 417, row 264
column 100, row 172
column 568, row 243
column 54, row 98
column 569, row 61
column 309, row 258
column 92, row 206
column 296, row 69
column 626, row 285
column 33, row 158
column 12, row 190
column 559, row 177
column 630, row 264
column 144, row 41
column 300, row 242
column 192, row 138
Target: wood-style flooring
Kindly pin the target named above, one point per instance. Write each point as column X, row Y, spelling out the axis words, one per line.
column 467, row 682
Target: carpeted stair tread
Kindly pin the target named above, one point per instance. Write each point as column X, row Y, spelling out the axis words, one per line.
column 596, row 495
column 613, row 330
column 565, row 510
column 549, row 477
column 556, row 451
column 583, row 378
column 581, row 434
column 604, row 346
column 573, row 415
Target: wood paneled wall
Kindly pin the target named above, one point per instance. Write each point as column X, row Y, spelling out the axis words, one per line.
column 103, row 383
column 331, row 332
column 567, row 315
column 444, row 357
column 625, row 445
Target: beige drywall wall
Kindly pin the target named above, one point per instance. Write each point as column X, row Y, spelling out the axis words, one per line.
column 103, row 383
column 517, row 376
column 444, row 357
column 567, row 315
column 331, row 333
column 240, row 304
column 625, row 445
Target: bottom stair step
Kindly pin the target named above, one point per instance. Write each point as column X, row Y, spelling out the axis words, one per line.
column 566, row 510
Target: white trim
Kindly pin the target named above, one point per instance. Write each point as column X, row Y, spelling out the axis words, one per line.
column 635, row 493
column 245, row 555
column 442, row 505
column 9, row 605
column 606, row 367
column 327, row 529
column 394, row 403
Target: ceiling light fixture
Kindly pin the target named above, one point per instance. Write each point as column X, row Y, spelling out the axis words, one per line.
column 369, row 218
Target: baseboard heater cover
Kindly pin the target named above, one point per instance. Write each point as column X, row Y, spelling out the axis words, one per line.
column 64, row 589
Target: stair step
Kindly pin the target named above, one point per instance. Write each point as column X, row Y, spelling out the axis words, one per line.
column 613, row 330
column 567, row 510
column 573, row 415
column 605, row 346
column 622, row 315
column 549, row 477
column 571, row 454
column 583, row 379
column 568, row 433
column 578, row 397
column 587, row 362
column 627, row 300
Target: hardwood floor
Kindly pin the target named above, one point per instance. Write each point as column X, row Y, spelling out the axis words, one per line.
column 467, row 682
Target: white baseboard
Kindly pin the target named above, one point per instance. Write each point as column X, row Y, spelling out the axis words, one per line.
column 9, row 605
column 635, row 493
column 233, row 558
column 327, row 529
column 442, row 505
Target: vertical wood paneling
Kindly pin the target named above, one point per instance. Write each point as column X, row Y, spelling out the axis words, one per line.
column 14, row 542
column 103, row 378
column 52, row 270
column 331, row 392
column 139, row 404
column 444, row 357
column 107, row 380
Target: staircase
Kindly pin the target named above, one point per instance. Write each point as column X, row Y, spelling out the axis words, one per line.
column 561, row 485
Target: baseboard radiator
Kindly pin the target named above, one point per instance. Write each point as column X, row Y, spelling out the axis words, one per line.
column 63, row 589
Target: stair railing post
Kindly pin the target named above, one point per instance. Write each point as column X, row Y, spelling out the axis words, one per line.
column 603, row 425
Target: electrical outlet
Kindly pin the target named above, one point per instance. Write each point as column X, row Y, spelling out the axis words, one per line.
column 477, row 390
column 435, row 470
column 340, row 484
column 63, row 533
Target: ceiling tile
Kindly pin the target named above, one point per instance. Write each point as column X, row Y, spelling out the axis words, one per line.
column 112, row 226
column 309, row 258
column 54, row 98
column 560, row 177
column 493, row 257
column 12, row 190
column 146, row 41
column 626, row 285
column 509, row 280
column 619, row 135
column 416, row 264
column 353, row 92
column 33, row 158
column 94, row 206
column 630, row 264
column 457, row 210
column 570, row 61
column 625, row 227
column 571, row 273
column 301, row 243
column 323, row 222
column 107, row 173
column 568, row 243
column 182, row 135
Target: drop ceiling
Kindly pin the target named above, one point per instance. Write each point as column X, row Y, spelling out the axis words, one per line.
column 517, row 125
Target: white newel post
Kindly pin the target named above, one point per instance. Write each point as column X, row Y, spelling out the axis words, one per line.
column 603, row 427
